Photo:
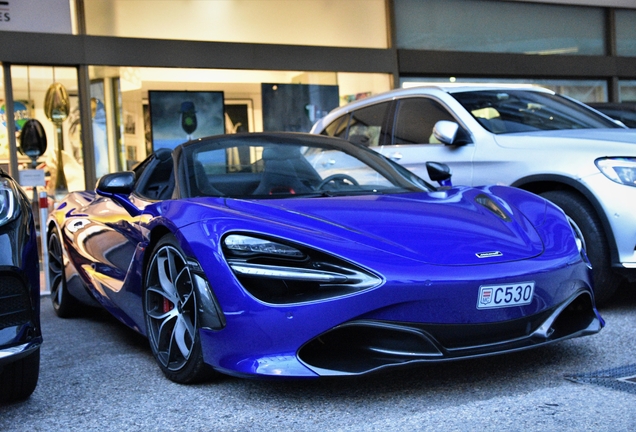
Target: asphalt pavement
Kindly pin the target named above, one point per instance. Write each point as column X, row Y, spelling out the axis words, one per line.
column 97, row 374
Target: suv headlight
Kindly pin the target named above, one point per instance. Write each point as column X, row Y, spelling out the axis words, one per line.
column 8, row 208
column 277, row 272
column 618, row 169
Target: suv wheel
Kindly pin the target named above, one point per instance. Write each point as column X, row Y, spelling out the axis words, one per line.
column 605, row 280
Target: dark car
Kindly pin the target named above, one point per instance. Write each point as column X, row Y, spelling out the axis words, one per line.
column 20, row 333
column 625, row 111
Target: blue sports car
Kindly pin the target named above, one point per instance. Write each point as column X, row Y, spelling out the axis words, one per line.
column 296, row 255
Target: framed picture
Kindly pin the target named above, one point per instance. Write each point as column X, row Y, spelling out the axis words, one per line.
column 296, row 107
column 129, row 123
column 180, row 116
column 239, row 116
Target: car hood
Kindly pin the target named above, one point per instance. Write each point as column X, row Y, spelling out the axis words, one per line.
column 449, row 228
column 581, row 135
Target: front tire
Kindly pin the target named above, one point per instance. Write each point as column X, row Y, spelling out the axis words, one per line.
column 19, row 378
column 64, row 304
column 606, row 281
column 170, row 308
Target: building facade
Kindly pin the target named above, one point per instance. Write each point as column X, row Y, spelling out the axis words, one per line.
column 140, row 74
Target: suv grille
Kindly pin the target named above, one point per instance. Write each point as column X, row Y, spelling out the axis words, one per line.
column 15, row 306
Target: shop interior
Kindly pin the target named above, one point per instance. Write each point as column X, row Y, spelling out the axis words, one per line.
column 122, row 101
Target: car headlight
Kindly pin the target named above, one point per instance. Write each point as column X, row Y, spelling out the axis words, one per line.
column 280, row 273
column 8, row 208
column 246, row 245
column 618, row 169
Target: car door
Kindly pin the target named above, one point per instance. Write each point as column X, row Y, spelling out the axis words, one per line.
column 107, row 240
column 412, row 142
column 109, row 236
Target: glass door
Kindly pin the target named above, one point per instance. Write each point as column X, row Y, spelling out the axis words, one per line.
column 50, row 95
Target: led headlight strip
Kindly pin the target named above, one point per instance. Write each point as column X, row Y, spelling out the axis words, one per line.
column 354, row 278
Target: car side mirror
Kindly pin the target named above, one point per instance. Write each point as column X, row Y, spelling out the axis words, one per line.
column 439, row 172
column 445, row 131
column 116, row 183
column 117, row 186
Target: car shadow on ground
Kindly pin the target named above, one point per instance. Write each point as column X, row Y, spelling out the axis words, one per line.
column 624, row 298
column 480, row 377
column 100, row 320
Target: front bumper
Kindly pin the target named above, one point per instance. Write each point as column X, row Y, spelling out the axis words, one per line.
column 364, row 346
column 11, row 354
column 396, row 325
column 20, row 332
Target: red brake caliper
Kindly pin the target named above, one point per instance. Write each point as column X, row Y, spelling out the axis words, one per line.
column 167, row 305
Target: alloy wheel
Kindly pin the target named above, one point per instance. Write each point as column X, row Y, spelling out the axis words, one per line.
column 170, row 304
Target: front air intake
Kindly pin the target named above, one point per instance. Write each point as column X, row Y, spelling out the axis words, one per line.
column 15, row 306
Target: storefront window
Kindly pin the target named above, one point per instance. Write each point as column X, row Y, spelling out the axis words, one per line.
column 498, row 26
column 60, row 119
column 626, row 32
column 346, row 23
column 581, row 90
column 627, row 90
column 161, row 107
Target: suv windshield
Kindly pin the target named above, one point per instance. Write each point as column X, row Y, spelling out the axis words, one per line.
column 509, row 111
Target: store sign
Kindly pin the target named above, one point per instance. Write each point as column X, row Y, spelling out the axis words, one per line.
column 50, row 16
column 32, row 178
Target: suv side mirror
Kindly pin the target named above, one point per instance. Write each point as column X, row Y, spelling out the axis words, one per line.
column 445, row 131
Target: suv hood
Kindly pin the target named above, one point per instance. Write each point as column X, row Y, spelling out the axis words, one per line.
column 607, row 135
column 451, row 229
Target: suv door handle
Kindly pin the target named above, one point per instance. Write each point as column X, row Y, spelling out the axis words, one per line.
column 396, row 156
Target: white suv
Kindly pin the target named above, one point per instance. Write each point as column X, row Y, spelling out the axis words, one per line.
column 526, row 137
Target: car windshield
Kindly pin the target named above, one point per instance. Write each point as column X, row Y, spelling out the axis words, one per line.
column 510, row 111
column 273, row 166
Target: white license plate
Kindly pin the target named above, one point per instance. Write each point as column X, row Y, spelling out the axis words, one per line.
column 499, row 296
